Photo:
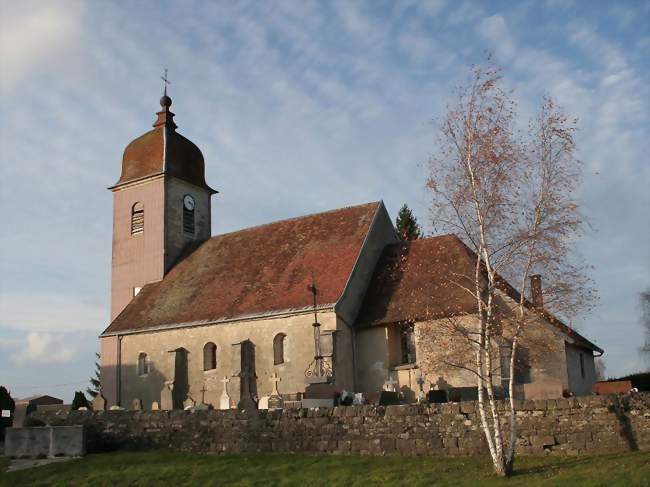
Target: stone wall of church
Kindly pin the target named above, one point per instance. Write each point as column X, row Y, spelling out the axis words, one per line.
column 593, row 424
column 299, row 353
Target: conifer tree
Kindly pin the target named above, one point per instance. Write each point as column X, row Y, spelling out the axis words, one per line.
column 407, row 225
column 95, row 384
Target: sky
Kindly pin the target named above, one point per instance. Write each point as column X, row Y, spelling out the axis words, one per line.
column 299, row 107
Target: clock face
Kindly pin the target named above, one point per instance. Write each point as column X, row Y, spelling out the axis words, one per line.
column 188, row 202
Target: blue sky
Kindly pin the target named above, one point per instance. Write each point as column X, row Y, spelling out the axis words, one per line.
column 298, row 107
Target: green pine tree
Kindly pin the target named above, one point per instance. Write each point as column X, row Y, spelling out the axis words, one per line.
column 95, row 384
column 6, row 403
column 79, row 401
column 407, row 224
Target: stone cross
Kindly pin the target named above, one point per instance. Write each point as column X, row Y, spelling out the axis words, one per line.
column 275, row 379
column 389, row 385
column 224, row 402
column 203, row 391
column 422, row 397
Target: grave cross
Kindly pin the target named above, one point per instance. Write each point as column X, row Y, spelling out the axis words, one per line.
column 389, row 385
column 203, row 391
column 275, row 379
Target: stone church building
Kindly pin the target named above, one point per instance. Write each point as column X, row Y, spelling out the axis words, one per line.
column 206, row 318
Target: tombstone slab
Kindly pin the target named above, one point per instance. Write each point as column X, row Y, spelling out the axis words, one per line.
column 136, row 404
column 166, row 398
column 99, row 403
column 20, row 413
column 155, row 406
column 264, row 402
column 224, row 400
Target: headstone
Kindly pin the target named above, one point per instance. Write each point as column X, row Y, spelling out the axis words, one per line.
column 359, row 400
column 166, row 397
column 20, row 413
column 155, row 406
column 275, row 401
column 189, row 403
column 224, row 401
column 264, row 402
column 99, row 402
column 437, row 396
column 388, row 398
column 247, row 376
column 6, row 413
column 82, row 408
column 136, row 404
column 116, row 408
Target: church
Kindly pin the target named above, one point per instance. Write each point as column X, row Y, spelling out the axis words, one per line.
column 326, row 303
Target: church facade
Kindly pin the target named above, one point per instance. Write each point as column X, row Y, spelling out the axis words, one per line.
column 332, row 298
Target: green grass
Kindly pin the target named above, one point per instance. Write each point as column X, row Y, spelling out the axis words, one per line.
column 178, row 469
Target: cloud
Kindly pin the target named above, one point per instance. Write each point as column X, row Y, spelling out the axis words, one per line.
column 34, row 36
column 494, row 30
column 43, row 348
column 50, row 311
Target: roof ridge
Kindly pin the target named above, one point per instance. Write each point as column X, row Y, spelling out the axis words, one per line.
column 294, row 218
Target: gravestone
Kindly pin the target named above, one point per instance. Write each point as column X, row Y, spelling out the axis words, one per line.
column 247, row 376
column 189, row 403
column 155, row 406
column 264, row 402
column 390, row 384
column 437, row 397
column 224, row 401
column 166, row 397
column 20, row 413
column 275, row 401
column 136, row 404
column 99, row 402
column 388, row 398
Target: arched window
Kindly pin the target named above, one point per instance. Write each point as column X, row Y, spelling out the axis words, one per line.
column 137, row 219
column 209, row 356
column 143, row 364
column 278, row 348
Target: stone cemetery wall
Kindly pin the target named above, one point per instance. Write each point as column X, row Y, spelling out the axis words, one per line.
column 592, row 424
column 41, row 442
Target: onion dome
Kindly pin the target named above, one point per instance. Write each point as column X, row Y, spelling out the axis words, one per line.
column 163, row 151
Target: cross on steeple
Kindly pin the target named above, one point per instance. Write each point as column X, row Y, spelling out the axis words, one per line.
column 166, row 81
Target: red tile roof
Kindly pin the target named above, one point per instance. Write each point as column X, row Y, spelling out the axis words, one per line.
column 163, row 150
column 257, row 270
column 413, row 282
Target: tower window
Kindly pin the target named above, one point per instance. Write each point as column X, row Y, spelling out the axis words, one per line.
column 188, row 221
column 209, row 356
column 137, row 219
column 278, row 348
column 143, row 364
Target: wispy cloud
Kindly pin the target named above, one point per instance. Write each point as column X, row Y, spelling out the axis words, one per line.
column 43, row 348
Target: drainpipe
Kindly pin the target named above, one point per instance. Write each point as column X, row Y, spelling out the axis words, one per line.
column 118, row 398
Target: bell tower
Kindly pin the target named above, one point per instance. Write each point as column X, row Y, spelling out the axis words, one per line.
column 161, row 207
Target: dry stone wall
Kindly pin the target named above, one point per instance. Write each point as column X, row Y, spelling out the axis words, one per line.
column 595, row 424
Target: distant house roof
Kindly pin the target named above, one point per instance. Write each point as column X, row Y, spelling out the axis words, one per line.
column 39, row 400
column 254, row 271
column 421, row 280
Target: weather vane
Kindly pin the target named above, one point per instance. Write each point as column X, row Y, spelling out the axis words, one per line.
column 166, row 81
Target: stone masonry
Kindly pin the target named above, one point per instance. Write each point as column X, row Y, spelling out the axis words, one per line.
column 593, row 424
